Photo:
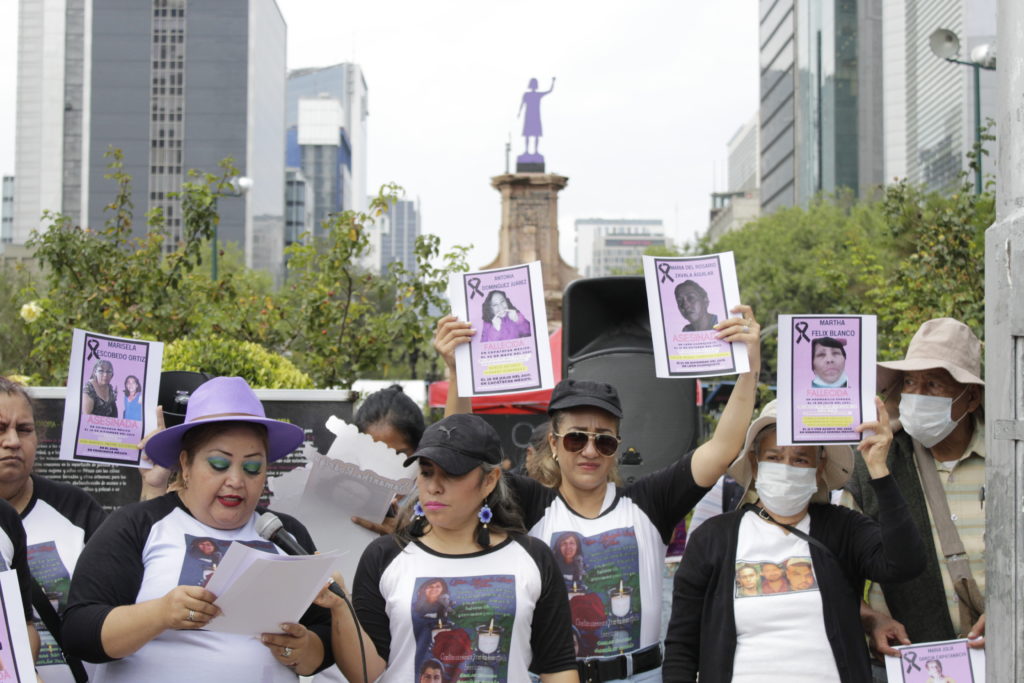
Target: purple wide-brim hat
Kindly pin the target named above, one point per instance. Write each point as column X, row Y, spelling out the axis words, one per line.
column 223, row 399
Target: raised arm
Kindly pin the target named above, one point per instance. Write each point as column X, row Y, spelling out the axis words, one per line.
column 551, row 88
column 449, row 334
column 712, row 459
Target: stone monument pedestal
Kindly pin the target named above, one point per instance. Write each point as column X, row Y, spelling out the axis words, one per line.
column 529, row 232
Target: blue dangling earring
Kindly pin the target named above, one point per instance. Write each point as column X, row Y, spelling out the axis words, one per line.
column 419, row 521
column 483, row 536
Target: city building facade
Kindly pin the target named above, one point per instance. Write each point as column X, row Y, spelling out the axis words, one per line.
column 326, row 117
column 398, row 229
column 174, row 85
column 7, row 211
column 614, row 246
column 818, row 132
column 929, row 122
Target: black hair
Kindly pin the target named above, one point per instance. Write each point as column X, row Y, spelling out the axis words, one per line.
column 392, row 406
column 488, row 314
column 828, row 342
column 690, row 283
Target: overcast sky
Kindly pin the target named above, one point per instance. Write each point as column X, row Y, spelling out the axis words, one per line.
column 648, row 94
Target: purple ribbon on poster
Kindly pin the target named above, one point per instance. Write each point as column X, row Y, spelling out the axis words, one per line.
column 474, row 284
column 911, row 659
column 94, row 347
column 665, row 268
column 801, row 329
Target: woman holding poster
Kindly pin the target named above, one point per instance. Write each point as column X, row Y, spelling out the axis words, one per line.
column 132, row 607
column 624, row 530
column 811, row 632
column 500, row 611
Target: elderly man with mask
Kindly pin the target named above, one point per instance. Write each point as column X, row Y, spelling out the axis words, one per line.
column 938, row 460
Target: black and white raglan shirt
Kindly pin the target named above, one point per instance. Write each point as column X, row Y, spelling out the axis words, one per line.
column 59, row 519
column 12, row 556
column 492, row 615
column 141, row 553
column 613, row 573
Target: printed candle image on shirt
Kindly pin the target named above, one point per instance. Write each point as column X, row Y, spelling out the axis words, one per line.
column 463, row 627
column 203, row 554
column 601, row 575
column 51, row 574
column 760, row 577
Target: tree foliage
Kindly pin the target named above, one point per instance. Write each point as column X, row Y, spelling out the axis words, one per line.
column 334, row 320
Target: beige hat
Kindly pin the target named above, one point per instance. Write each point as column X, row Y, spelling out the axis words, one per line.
column 838, row 459
column 940, row 343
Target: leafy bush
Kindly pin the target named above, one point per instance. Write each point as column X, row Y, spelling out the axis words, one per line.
column 221, row 356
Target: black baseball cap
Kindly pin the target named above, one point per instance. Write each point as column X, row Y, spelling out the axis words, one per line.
column 459, row 444
column 581, row 393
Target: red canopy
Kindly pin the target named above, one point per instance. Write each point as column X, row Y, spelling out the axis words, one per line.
column 529, row 402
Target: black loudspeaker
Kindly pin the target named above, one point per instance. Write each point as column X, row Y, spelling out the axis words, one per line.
column 175, row 388
column 606, row 337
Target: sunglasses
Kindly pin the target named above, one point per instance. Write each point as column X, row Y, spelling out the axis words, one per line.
column 574, row 442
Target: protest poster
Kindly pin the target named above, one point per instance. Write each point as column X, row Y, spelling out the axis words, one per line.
column 826, row 378
column 16, row 663
column 686, row 298
column 949, row 661
column 510, row 352
column 111, row 400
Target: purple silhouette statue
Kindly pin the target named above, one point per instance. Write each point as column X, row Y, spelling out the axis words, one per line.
column 532, row 127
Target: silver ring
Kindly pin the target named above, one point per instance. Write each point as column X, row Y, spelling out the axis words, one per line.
column 191, row 615
column 287, row 652
column 746, row 328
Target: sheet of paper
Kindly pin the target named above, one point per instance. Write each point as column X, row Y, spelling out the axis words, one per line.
column 15, row 651
column 510, row 352
column 263, row 591
column 686, row 297
column 826, row 378
column 113, row 385
column 358, row 477
column 948, row 660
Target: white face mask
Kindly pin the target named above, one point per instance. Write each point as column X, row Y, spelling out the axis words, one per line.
column 929, row 419
column 784, row 489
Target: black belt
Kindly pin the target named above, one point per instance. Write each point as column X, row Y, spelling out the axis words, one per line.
column 598, row 669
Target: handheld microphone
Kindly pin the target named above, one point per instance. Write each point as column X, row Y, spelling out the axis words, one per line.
column 270, row 527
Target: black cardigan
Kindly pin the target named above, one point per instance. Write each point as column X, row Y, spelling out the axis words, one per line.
column 702, row 630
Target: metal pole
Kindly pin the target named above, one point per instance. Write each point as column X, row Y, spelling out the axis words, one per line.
column 977, row 128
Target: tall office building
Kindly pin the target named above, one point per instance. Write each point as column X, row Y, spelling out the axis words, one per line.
column 610, row 247
column 741, row 202
column 818, row 132
column 7, row 211
column 326, row 135
column 298, row 206
column 929, row 102
column 176, row 85
column 398, row 229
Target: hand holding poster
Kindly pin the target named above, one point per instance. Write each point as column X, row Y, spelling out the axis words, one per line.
column 510, row 352
column 686, row 298
column 950, row 661
column 826, row 378
column 111, row 398
column 15, row 652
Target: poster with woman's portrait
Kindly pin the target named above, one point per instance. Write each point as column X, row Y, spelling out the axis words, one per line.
column 949, row 661
column 510, row 352
column 826, row 378
column 16, row 663
column 686, row 298
column 111, row 398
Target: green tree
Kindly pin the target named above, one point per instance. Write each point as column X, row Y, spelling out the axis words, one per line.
column 15, row 335
column 346, row 321
column 233, row 358
column 108, row 281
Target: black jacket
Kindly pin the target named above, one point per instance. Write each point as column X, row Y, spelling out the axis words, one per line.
column 702, row 631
